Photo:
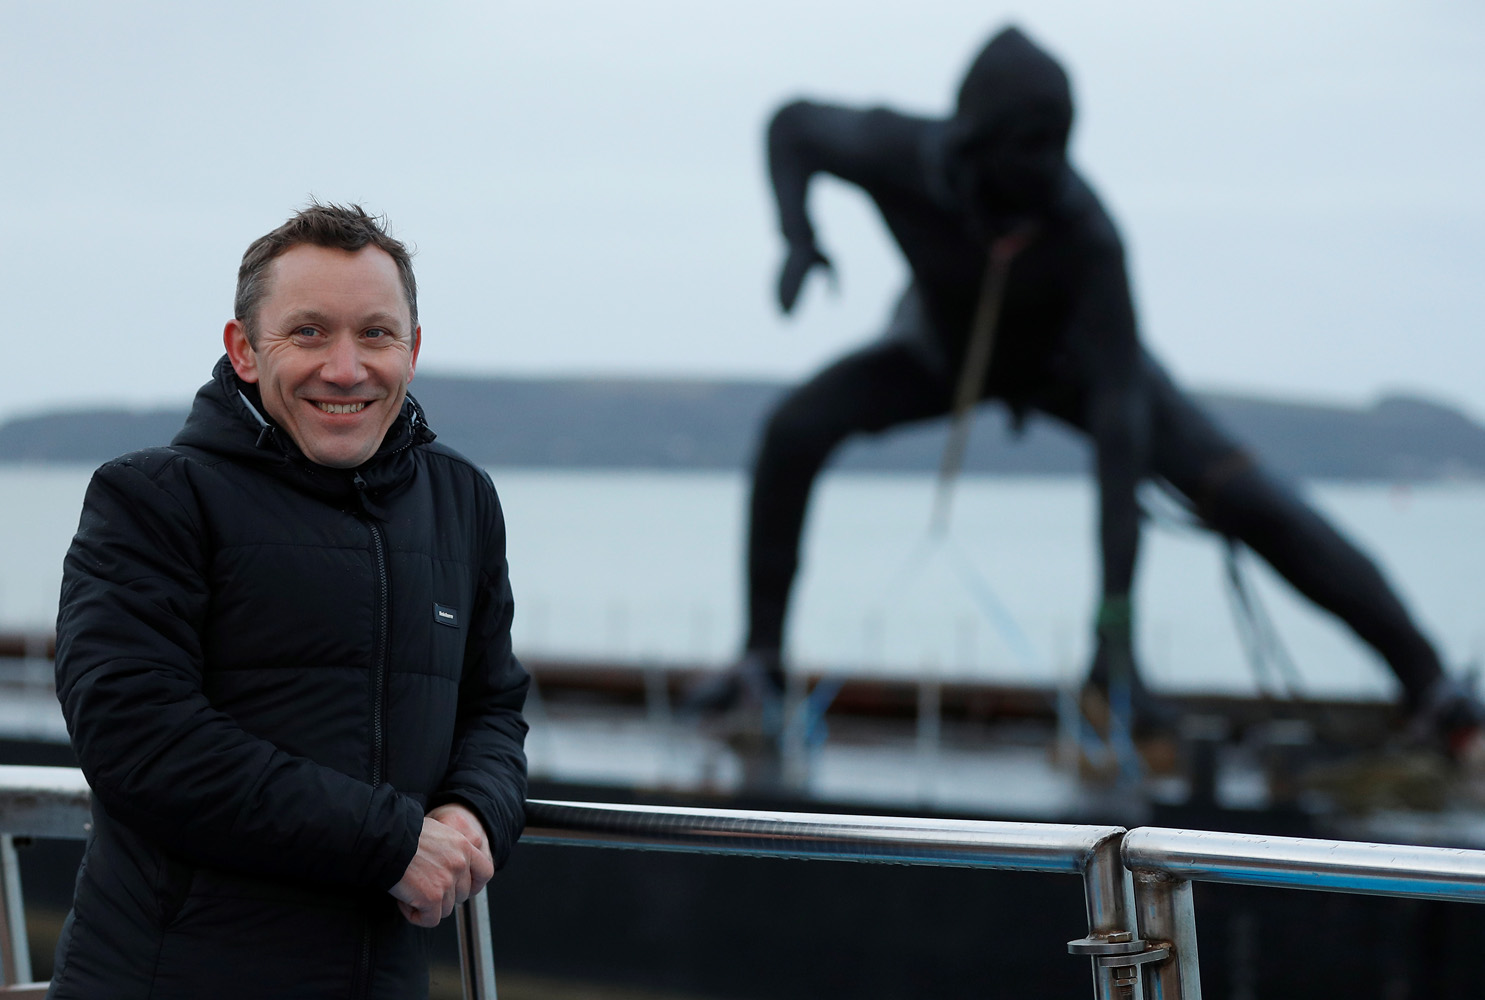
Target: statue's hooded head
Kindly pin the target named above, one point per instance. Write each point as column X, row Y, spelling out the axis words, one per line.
column 1007, row 142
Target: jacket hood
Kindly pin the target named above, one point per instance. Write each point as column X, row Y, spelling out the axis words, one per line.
column 228, row 419
column 1007, row 140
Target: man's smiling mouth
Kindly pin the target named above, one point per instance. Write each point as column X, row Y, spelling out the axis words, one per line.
column 341, row 407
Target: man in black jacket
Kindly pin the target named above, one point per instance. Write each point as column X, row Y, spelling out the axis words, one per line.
column 1009, row 247
column 284, row 658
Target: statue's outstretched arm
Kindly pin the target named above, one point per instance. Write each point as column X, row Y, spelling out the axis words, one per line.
column 862, row 147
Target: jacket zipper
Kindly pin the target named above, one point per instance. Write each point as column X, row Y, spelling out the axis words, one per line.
column 378, row 695
column 379, row 675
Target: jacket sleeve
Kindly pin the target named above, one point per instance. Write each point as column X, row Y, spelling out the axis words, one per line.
column 487, row 770
column 158, row 756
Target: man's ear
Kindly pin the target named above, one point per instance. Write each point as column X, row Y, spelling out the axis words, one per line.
column 240, row 351
column 417, row 346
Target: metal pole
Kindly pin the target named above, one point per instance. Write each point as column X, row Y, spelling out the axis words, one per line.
column 1110, row 901
column 476, row 948
column 15, row 949
column 930, row 730
column 34, row 802
column 1166, row 914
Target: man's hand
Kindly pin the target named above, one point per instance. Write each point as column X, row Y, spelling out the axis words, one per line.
column 447, row 869
column 802, row 258
column 463, row 819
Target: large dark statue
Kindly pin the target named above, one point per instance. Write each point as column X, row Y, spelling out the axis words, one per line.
column 1001, row 233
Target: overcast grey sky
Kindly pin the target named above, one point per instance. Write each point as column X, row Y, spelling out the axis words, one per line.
column 1298, row 183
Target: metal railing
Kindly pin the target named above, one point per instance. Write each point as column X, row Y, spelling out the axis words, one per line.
column 53, row 802
column 1089, row 851
column 1165, row 862
column 1137, row 885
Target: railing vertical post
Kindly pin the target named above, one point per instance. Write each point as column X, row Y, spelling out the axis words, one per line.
column 476, row 948
column 15, row 948
column 1110, row 900
column 1164, row 907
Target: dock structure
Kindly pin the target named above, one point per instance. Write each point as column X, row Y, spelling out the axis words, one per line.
column 864, row 740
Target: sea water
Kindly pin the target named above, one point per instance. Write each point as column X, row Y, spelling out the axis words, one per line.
column 647, row 567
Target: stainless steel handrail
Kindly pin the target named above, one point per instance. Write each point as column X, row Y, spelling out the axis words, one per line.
column 1089, row 851
column 1333, row 865
column 1045, row 847
column 1150, row 924
column 1146, row 921
column 1165, row 862
column 53, row 802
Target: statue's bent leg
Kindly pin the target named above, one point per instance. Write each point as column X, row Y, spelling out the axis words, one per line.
column 870, row 390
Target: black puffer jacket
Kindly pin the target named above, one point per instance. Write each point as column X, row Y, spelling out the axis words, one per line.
column 270, row 670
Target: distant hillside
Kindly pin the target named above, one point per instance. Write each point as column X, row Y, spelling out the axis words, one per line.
column 696, row 424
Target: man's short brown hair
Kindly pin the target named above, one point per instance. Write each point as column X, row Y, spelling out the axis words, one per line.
column 339, row 227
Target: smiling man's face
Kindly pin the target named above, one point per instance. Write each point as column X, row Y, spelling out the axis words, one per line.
column 334, row 351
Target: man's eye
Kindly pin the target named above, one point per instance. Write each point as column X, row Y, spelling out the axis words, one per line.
column 306, row 331
column 376, row 333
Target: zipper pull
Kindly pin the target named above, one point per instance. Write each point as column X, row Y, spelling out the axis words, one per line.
column 368, row 506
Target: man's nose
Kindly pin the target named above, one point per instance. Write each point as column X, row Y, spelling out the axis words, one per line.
column 343, row 363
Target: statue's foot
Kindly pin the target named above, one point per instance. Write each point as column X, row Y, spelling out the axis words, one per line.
column 1450, row 718
column 1147, row 725
column 756, row 680
column 1140, row 712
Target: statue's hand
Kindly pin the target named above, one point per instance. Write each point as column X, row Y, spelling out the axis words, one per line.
column 801, row 259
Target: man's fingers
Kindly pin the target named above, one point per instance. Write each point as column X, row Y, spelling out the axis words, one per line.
column 453, row 862
column 478, row 858
column 444, row 872
column 419, row 917
column 481, row 870
column 429, row 915
column 463, row 885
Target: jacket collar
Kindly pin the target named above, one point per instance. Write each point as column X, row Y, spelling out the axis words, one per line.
column 228, row 419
